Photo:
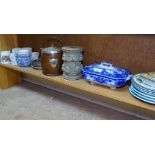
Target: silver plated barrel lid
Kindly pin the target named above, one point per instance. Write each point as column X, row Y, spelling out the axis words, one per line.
column 72, row 48
column 51, row 50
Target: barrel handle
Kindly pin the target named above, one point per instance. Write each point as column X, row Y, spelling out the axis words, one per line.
column 51, row 39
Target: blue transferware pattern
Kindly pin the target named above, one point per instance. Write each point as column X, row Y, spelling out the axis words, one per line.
column 142, row 93
column 112, row 83
column 105, row 74
column 141, row 97
column 149, row 76
column 107, row 70
column 142, row 89
column 23, row 61
column 24, row 55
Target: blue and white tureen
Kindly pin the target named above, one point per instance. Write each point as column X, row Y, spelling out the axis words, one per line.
column 106, row 74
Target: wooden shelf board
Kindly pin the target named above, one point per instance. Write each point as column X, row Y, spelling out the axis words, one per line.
column 118, row 95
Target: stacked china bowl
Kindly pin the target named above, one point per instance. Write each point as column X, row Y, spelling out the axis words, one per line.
column 143, row 87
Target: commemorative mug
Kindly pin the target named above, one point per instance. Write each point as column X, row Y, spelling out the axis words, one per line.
column 5, row 57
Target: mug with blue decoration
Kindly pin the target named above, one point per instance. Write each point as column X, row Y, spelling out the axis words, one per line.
column 23, row 56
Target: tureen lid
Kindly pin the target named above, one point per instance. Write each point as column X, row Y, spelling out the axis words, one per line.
column 72, row 48
column 107, row 70
column 52, row 50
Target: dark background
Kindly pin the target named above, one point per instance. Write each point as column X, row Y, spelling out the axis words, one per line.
column 135, row 52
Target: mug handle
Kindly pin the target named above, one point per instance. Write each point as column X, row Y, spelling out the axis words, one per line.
column 106, row 64
column 11, row 56
column 13, row 59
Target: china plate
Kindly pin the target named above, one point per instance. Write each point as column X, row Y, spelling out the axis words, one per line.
column 142, row 94
column 144, row 82
column 143, row 90
column 140, row 98
column 149, row 75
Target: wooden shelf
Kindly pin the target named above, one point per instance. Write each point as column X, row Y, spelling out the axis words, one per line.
column 120, row 95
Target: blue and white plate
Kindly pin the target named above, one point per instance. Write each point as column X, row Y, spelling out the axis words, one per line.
column 142, row 89
column 141, row 97
column 144, row 81
column 149, row 76
column 142, row 93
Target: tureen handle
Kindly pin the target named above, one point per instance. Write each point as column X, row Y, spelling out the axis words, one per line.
column 107, row 64
column 129, row 77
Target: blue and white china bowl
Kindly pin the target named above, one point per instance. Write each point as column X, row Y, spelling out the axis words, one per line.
column 23, row 53
column 23, row 56
column 23, row 61
column 26, row 51
column 105, row 74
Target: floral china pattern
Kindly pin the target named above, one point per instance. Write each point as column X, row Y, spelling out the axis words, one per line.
column 105, row 74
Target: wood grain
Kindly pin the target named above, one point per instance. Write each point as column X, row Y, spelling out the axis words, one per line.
column 118, row 96
column 8, row 77
column 135, row 52
column 8, row 41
